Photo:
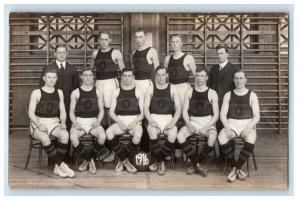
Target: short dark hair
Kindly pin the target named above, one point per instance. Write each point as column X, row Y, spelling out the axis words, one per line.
column 86, row 69
column 160, row 67
column 127, row 69
column 141, row 30
column 50, row 70
column 176, row 35
column 202, row 68
column 105, row 32
column 222, row 46
column 240, row 71
column 60, row 46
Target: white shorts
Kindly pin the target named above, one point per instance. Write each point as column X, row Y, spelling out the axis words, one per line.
column 181, row 89
column 50, row 123
column 162, row 120
column 127, row 119
column 86, row 123
column 238, row 125
column 143, row 84
column 107, row 87
column 201, row 122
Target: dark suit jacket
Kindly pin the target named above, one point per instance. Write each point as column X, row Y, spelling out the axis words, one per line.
column 222, row 81
column 66, row 82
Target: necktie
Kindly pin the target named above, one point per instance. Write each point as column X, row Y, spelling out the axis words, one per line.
column 62, row 69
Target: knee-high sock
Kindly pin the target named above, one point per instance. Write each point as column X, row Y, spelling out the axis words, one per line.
column 62, row 149
column 81, row 150
column 117, row 148
column 204, row 153
column 167, row 148
column 52, row 153
column 188, row 150
column 244, row 154
column 131, row 149
column 156, row 149
column 228, row 151
column 98, row 147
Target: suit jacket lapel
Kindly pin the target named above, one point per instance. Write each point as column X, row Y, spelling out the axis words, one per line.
column 226, row 68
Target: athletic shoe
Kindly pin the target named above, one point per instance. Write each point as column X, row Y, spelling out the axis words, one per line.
column 110, row 157
column 232, row 175
column 59, row 172
column 120, row 166
column 65, row 168
column 83, row 166
column 161, row 168
column 201, row 169
column 153, row 167
column 130, row 168
column 190, row 170
column 105, row 154
column 241, row 174
column 92, row 167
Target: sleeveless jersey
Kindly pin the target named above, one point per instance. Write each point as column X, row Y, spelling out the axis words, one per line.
column 200, row 105
column 106, row 68
column 127, row 103
column 239, row 106
column 87, row 104
column 48, row 106
column 142, row 69
column 177, row 73
column 161, row 102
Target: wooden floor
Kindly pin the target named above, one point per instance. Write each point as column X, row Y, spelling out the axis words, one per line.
column 271, row 155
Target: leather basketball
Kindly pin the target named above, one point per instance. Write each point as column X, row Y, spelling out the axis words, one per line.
column 141, row 161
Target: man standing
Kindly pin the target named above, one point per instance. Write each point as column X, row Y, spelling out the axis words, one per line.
column 239, row 115
column 144, row 60
column 48, row 117
column 126, row 109
column 221, row 80
column 107, row 61
column 159, row 110
column 200, row 113
column 86, row 113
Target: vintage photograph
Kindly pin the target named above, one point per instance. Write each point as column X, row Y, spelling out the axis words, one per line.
column 148, row 100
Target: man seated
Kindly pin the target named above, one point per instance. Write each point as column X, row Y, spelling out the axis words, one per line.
column 48, row 117
column 126, row 109
column 239, row 115
column 86, row 113
column 159, row 109
column 200, row 113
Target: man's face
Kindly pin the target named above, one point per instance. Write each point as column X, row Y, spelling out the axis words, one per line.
column 222, row 55
column 61, row 54
column 161, row 76
column 104, row 40
column 87, row 77
column 140, row 38
column 239, row 80
column 176, row 43
column 201, row 78
column 50, row 79
column 127, row 78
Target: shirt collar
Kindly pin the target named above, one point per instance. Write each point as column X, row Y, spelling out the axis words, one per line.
column 58, row 64
column 222, row 65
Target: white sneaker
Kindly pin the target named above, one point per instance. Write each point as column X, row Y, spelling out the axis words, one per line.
column 110, row 158
column 65, row 168
column 92, row 166
column 83, row 166
column 120, row 166
column 59, row 172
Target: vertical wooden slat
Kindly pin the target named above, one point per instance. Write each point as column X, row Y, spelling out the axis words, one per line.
column 205, row 35
column 48, row 41
column 242, row 41
column 85, row 41
column 279, row 76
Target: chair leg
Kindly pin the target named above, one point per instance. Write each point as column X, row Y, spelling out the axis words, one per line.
column 248, row 170
column 98, row 160
column 76, row 162
column 225, row 165
column 172, row 159
column 29, row 154
column 40, row 159
column 254, row 160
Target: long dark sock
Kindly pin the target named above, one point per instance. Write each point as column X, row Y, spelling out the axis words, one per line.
column 244, row 154
column 62, row 149
column 81, row 150
column 52, row 153
column 131, row 149
column 205, row 152
column 118, row 148
column 167, row 148
column 98, row 147
column 188, row 150
column 156, row 149
column 228, row 151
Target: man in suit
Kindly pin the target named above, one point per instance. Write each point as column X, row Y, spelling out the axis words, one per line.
column 67, row 79
column 221, row 79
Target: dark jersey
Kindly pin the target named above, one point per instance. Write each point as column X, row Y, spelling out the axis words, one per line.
column 161, row 102
column 48, row 106
column 200, row 105
column 106, row 68
column 177, row 73
column 239, row 106
column 142, row 69
column 87, row 104
column 127, row 103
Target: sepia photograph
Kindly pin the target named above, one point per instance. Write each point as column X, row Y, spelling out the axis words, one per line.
column 148, row 100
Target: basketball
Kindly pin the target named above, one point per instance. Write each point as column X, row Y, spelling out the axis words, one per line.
column 141, row 161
